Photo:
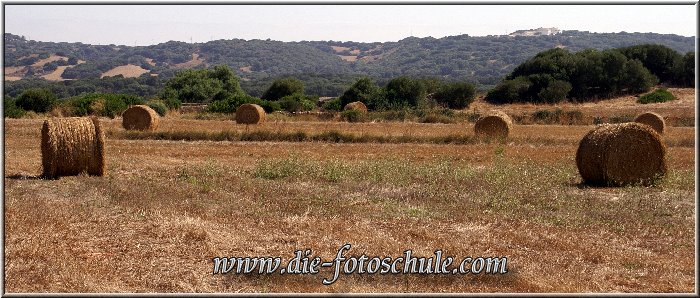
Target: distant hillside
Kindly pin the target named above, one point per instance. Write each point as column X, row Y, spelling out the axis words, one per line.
column 484, row 60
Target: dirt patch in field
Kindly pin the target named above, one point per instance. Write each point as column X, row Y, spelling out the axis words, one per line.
column 338, row 49
column 246, row 69
column 377, row 57
column 56, row 74
column 348, row 58
column 15, row 71
column 190, row 64
column 128, row 71
column 51, row 58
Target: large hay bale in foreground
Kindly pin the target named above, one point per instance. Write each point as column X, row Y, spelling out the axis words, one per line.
column 356, row 106
column 495, row 124
column 140, row 117
column 621, row 154
column 652, row 119
column 71, row 146
column 250, row 114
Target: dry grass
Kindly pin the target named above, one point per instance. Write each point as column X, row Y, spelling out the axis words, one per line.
column 40, row 63
column 15, row 71
column 167, row 207
column 128, row 71
column 56, row 74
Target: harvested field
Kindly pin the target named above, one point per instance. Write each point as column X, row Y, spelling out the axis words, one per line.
column 15, row 70
column 128, row 71
column 52, row 58
column 348, row 58
column 165, row 208
column 190, row 64
column 56, row 74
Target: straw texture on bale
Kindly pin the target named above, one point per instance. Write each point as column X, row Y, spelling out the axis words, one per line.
column 495, row 124
column 71, row 146
column 357, row 106
column 621, row 154
column 652, row 119
column 250, row 114
column 140, row 117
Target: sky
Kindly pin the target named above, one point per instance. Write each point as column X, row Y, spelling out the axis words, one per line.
column 152, row 24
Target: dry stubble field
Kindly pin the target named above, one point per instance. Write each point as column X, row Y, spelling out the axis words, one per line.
column 166, row 208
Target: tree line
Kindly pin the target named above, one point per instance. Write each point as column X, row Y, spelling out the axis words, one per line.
column 551, row 76
column 559, row 75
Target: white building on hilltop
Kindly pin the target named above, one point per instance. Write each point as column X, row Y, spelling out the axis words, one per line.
column 536, row 32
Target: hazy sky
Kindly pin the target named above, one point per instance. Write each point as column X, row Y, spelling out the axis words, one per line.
column 151, row 24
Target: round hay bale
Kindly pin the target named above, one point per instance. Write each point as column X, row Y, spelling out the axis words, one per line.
column 621, row 154
column 71, row 146
column 357, row 106
column 140, row 117
column 652, row 119
column 250, row 114
column 495, row 124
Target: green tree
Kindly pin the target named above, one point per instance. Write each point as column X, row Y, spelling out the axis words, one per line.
column 659, row 59
column 201, row 85
column 637, row 78
column 192, row 86
column 297, row 102
column 39, row 100
column 283, row 87
column 508, row 91
column 684, row 71
column 231, row 102
column 10, row 110
column 405, row 92
column 363, row 90
column 555, row 92
column 555, row 75
column 456, row 95
column 332, row 105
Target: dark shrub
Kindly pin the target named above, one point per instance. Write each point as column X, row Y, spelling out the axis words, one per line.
column 159, row 107
column 10, row 110
column 352, row 116
column 37, row 100
column 659, row 95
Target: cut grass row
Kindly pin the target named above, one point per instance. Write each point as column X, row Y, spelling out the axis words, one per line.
column 334, row 136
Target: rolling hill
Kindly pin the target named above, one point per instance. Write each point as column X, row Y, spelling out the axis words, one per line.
column 327, row 67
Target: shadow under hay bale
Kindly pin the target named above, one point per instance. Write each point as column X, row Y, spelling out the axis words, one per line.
column 250, row 114
column 621, row 154
column 495, row 124
column 140, row 117
column 356, row 106
column 71, row 146
column 652, row 119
